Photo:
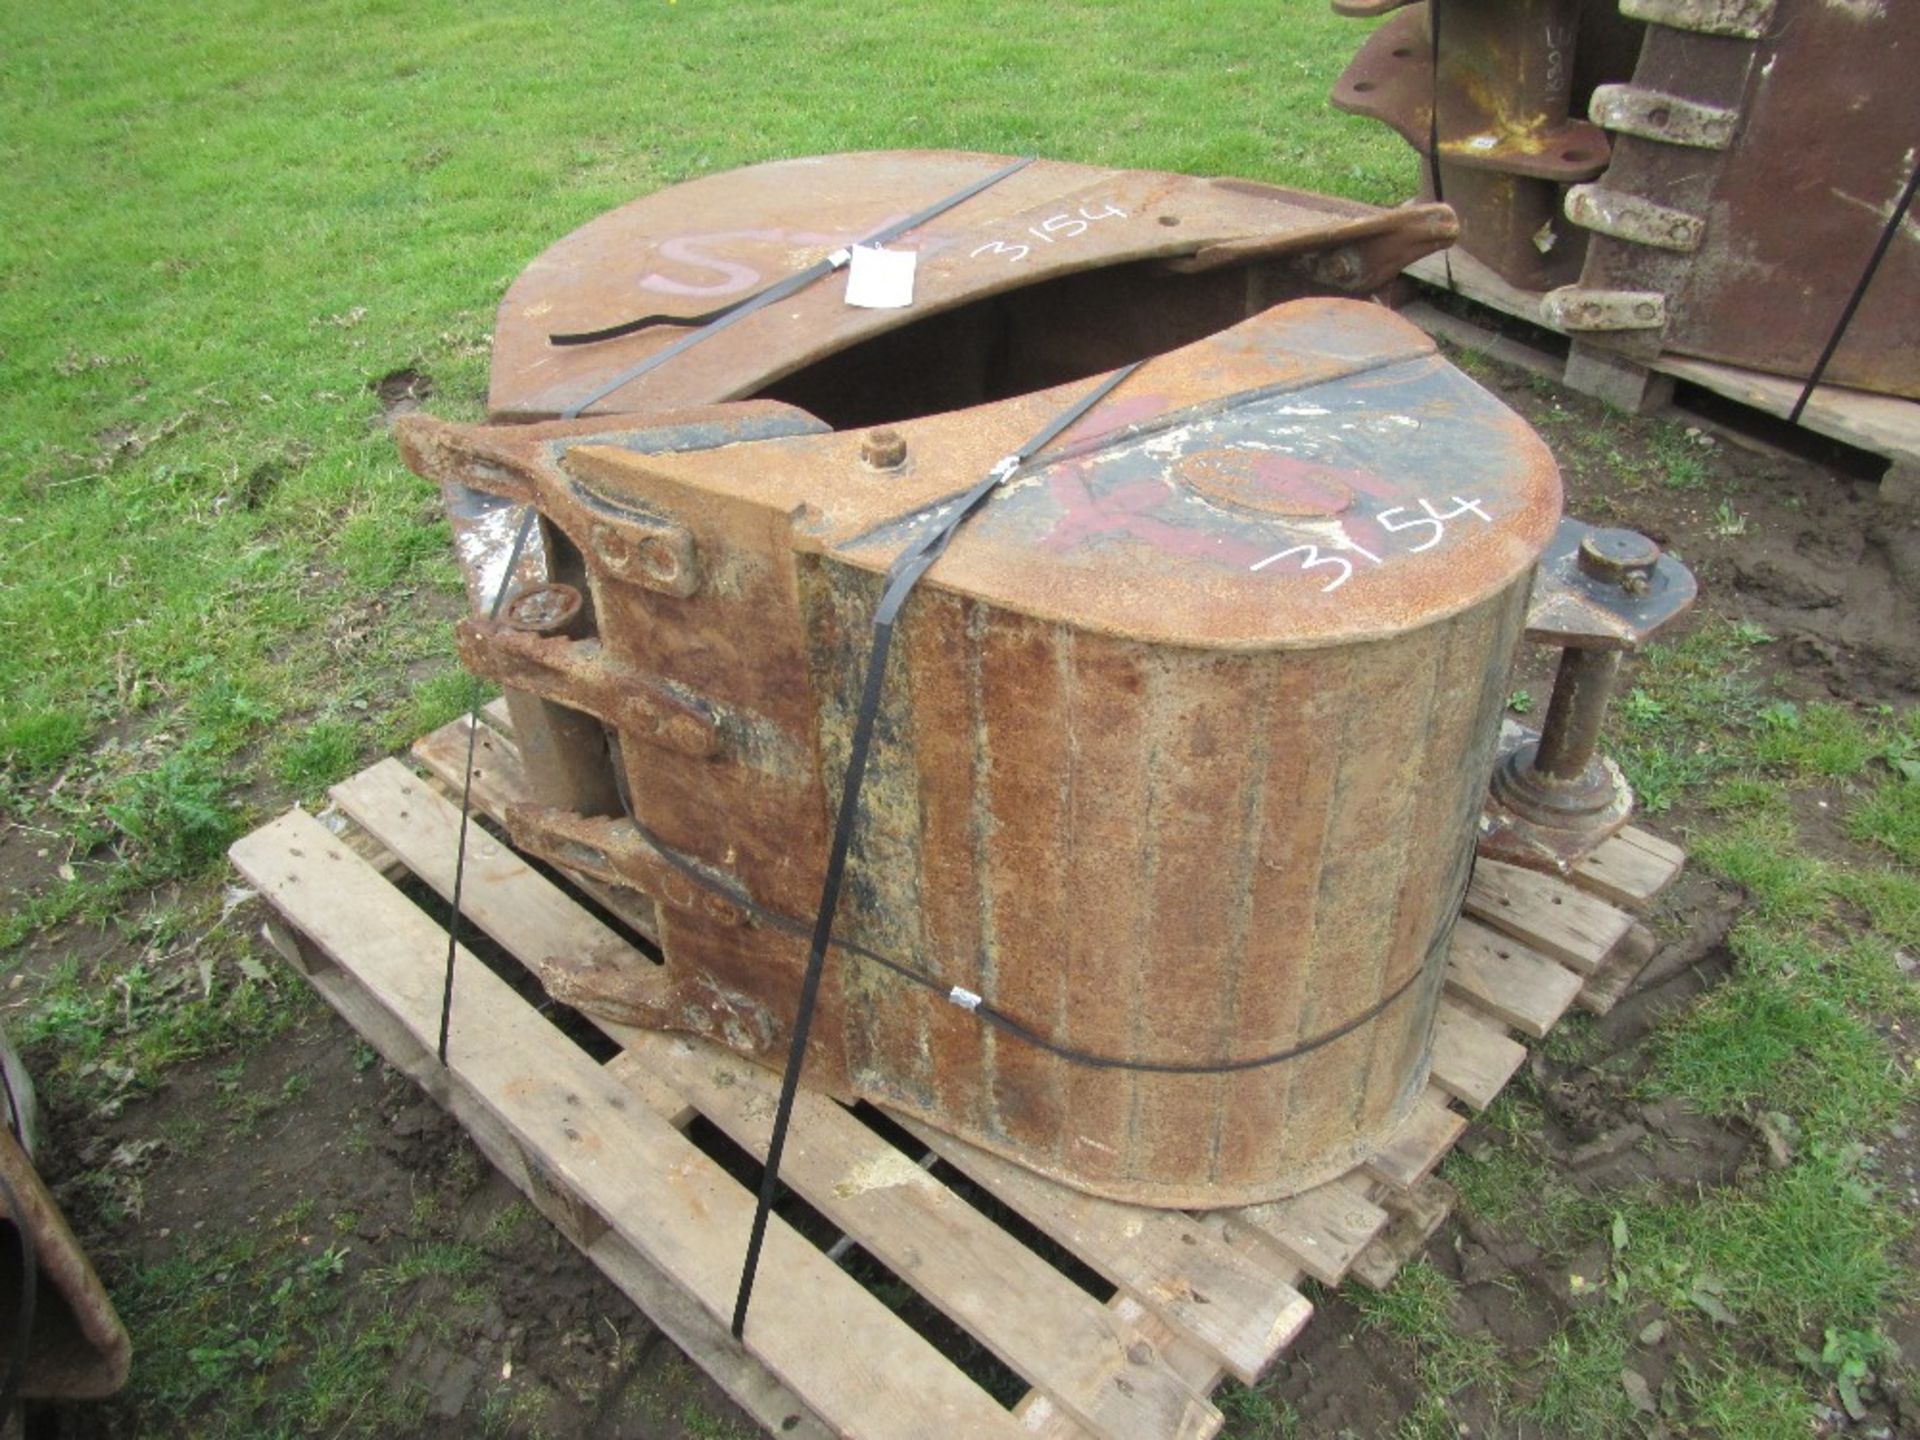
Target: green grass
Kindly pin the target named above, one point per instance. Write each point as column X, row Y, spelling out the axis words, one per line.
column 1676, row 725
column 1890, row 818
column 321, row 753
column 1579, row 1382
column 219, row 1319
column 1820, row 741
column 1744, row 1401
column 1418, row 1308
column 244, row 216
column 1810, row 1245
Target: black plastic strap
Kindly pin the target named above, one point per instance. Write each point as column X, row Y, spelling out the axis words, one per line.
column 1859, row 293
column 647, row 322
column 719, row 320
column 520, row 538
column 1433, row 127
column 902, row 576
column 1009, row 1025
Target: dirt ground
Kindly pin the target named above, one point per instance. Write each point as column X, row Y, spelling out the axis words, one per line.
column 353, row 1162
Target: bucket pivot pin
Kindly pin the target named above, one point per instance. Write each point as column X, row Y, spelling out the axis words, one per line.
column 1598, row 594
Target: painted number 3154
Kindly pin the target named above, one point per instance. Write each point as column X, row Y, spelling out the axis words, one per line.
column 1430, row 525
column 1434, row 521
column 1067, row 225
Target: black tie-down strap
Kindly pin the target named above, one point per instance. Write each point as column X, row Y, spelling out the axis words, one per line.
column 1013, row 1026
column 714, row 321
column 520, row 538
column 1895, row 219
column 902, row 576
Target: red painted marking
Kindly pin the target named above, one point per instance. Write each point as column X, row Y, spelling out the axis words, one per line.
column 1140, row 510
column 1127, row 512
column 1260, row 480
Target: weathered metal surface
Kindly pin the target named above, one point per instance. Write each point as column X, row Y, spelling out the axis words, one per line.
column 1657, row 115
column 1575, row 307
column 1741, row 19
column 1629, row 217
column 1056, row 272
column 1552, row 829
column 1598, row 593
column 1178, row 762
column 1512, row 82
column 1758, row 150
column 1604, row 589
column 1794, row 208
column 78, row 1348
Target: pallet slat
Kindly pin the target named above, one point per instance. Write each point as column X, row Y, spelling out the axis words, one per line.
column 498, row 777
column 502, row 894
column 1041, row 1325
column 1235, row 1303
column 1472, row 1061
column 1574, row 928
column 1417, row 1214
column 1630, row 869
column 1419, row 1145
column 1508, row 980
column 1323, row 1229
column 1608, row 985
column 816, row 1329
column 1039, row 1416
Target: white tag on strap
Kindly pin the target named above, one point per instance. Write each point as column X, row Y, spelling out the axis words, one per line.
column 881, row 279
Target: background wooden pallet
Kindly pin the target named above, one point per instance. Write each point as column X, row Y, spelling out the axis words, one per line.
column 604, row 1150
column 1883, row 424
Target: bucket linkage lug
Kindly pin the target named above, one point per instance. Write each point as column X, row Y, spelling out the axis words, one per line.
column 1598, row 594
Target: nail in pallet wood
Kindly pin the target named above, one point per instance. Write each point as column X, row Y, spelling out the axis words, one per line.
column 602, row 1149
column 1883, row 424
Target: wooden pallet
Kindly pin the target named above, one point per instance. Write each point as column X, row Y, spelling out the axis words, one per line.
column 603, row 1149
column 1882, row 424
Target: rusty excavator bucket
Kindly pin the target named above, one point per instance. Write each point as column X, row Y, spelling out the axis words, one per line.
column 1709, row 178
column 1179, row 761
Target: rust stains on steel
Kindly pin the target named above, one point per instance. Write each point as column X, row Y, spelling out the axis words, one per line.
column 1756, row 151
column 1184, row 740
column 1598, row 594
column 1511, row 82
column 1789, row 213
column 1098, row 267
column 78, row 1349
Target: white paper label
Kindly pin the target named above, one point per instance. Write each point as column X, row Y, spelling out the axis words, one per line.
column 881, row 279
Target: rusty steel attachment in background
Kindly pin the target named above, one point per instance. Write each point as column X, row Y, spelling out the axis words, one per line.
column 1599, row 593
column 1725, row 192
column 77, row 1347
column 1514, row 80
column 1180, row 755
